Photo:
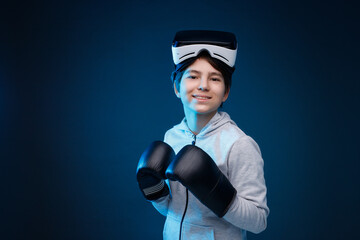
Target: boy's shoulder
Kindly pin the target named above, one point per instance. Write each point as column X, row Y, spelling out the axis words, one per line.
column 180, row 127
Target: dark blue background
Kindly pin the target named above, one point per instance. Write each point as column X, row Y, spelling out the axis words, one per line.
column 85, row 88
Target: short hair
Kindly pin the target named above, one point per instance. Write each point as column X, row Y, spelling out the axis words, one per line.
column 225, row 70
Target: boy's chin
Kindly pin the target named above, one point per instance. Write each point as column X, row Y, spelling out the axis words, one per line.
column 205, row 111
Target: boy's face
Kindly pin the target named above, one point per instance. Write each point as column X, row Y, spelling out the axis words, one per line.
column 202, row 88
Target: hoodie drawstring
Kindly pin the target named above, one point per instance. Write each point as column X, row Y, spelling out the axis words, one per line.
column 187, row 196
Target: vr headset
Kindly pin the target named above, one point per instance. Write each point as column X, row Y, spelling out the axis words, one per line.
column 220, row 45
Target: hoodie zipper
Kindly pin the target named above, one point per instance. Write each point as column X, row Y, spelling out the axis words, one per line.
column 187, row 195
column 194, row 140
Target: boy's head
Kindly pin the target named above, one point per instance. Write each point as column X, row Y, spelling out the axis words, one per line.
column 218, row 48
column 201, row 88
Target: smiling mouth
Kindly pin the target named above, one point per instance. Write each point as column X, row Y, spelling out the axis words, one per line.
column 201, row 97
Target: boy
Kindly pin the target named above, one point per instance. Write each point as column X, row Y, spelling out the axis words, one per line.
column 207, row 176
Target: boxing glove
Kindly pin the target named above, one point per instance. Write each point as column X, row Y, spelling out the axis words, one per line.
column 196, row 170
column 151, row 168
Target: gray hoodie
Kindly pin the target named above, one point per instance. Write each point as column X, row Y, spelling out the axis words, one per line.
column 238, row 157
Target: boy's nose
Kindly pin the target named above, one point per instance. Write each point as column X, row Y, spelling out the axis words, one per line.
column 203, row 84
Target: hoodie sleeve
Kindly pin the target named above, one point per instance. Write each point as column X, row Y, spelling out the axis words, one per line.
column 162, row 204
column 249, row 209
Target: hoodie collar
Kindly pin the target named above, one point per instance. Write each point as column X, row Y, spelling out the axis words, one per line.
column 219, row 119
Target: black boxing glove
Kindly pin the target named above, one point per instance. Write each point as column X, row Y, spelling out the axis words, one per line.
column 196, row 170
column 151, row 168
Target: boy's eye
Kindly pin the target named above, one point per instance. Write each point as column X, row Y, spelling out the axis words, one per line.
column 191, row 76
column 215, row 79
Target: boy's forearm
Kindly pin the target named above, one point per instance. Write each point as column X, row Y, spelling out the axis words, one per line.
column 246, row 215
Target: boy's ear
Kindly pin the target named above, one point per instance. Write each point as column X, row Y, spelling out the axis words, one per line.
column 226, row 95
column 176, row 91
